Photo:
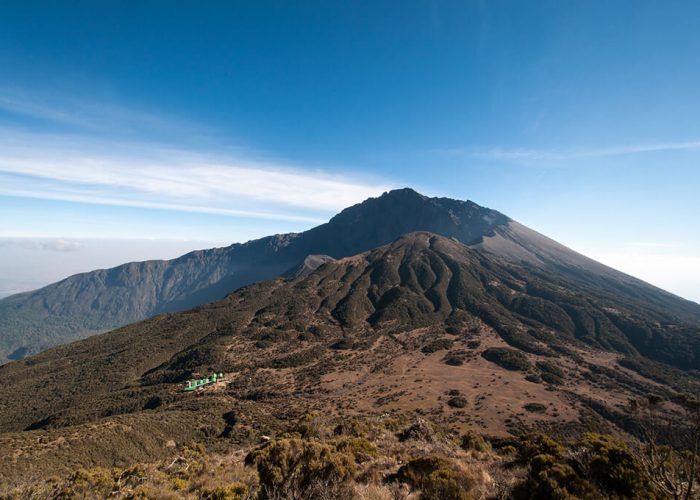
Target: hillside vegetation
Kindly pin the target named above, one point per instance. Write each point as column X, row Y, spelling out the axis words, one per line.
column 86, row 303
column 424, row 327
column 382, row 458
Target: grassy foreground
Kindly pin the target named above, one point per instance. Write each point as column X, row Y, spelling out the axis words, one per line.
column 377, row 458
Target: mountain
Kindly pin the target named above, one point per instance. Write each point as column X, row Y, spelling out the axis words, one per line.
column 100, row 300
column 87, row 303
column 424, row 325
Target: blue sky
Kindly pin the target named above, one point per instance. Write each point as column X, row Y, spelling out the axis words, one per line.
column 214, row 122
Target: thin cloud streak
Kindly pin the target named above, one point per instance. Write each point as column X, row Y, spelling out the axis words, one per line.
column 97, row 200
column 48, row 167
column 202, row 180
column 42, row 111
column 91, row 116
column 516, row 154
column 82, row 167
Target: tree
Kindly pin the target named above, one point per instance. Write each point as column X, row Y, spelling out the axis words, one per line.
column 669, row 443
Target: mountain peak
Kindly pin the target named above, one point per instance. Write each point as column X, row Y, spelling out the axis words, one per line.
column 405, row 193
column 402, row 211
column 408, row 195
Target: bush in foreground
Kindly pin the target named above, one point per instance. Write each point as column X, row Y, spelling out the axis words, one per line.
column 438, row 478
column 596, row 466
column 471, row 441
column 296, row 469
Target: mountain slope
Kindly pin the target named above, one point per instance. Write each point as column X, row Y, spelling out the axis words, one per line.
column 391, row 330
column 87, row 303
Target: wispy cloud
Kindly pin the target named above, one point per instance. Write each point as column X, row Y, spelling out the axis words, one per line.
column 91, row 115
column 135, row 175
column 38, row 109
column 515, row 154
column 59, row 195
column 110, row 154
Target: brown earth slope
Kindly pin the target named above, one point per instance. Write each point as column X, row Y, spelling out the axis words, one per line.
column 422, row 326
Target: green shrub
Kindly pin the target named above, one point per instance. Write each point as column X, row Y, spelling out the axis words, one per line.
column 535, row 408
column 420, row 430
column 550, row 378
column 454, row 359
column 395, row 424
column 438, row 478
column 597, row 466
column 457, row 402
column 295, row 468
column 613, row 466
column 539, row 444
column 354, row 427
column 510, row 359
column 297, row 359
column 343, row 344
column 437, row 345
column 311, row 425
column 474, row 441
column 507, row 450
column 235, row 491
column 549, row 367
column 96, row 480
column 357, row 446
column 179, row 483
column 549, row 478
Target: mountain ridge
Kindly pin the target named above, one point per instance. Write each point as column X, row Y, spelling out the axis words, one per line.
column 96, row 301
column 389, row 330
column 103, row 299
